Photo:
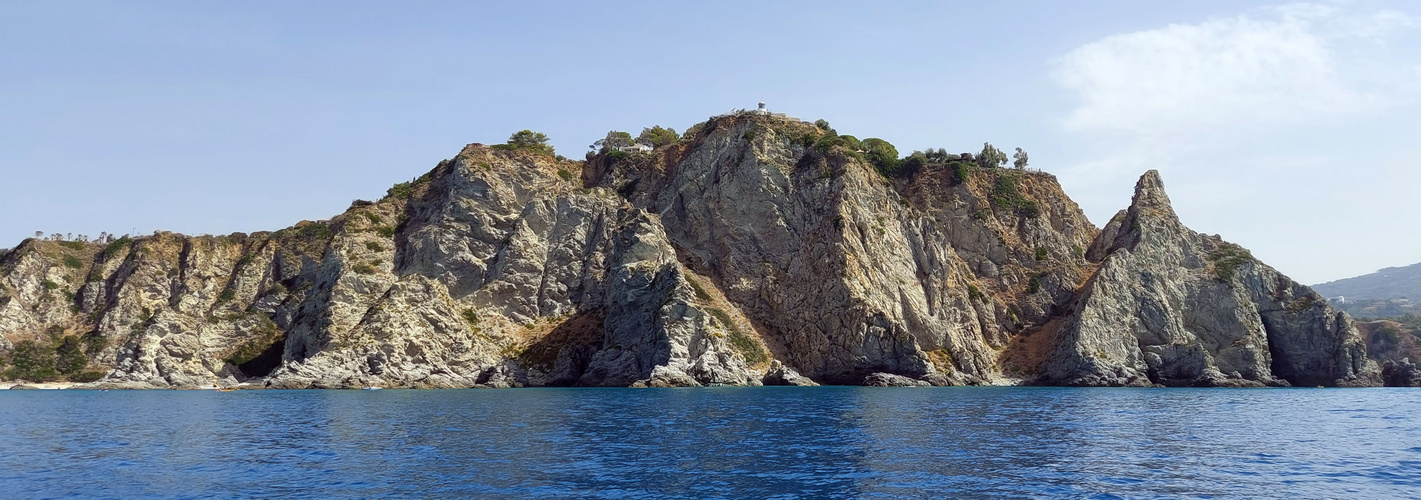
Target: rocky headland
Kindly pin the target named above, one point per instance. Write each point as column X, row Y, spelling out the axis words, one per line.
column 754, row 249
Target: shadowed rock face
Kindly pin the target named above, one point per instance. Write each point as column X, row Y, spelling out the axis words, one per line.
column 853, row 274
column 1171, row 306
column 742, row 254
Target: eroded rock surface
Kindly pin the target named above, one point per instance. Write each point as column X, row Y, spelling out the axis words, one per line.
column 752, row 251
column 1174, row 307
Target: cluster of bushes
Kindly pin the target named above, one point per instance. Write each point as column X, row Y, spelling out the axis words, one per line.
column 1227, row 259
column 742, row 343
column 655, row 136
column 400, row 191
column 117, row 245
column 878, row 152
column 1006, row 194
column 885, row 157
column 528, row 140
column 991, row 157
column 61, row 357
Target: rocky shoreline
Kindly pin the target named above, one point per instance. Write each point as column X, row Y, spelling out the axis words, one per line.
column 755, row 250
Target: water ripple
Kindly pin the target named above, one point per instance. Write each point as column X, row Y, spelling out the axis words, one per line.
column 830, row 442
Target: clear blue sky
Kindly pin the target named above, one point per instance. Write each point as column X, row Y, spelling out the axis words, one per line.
column 1289, row 128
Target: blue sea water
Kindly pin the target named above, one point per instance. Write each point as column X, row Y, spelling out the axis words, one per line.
column 772, row 442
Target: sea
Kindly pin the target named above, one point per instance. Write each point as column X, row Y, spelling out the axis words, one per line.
column 731, row 442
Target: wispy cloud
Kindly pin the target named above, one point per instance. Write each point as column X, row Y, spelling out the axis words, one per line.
column 1251, row 116
column 1275, row 65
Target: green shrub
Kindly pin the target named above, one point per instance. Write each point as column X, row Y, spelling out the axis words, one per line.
column 694, row 131
column 700, row 292
column 373, row 246
column 1006, row 194
column 374, row 218
column 564, row 174
column 1030, row 209
column 72, row 261
column 49, row 285
column 657, row 136
column 400, row 191
column 882, row 155
column 959, row 173
column 1040, row 253
column 746, row 346
column 471, row 316
column 1227, row 259
column 991, row 157
column 114, row 246
column 93, row 343
column 363, row 268
column 910, row 166
column 313, row 231
column 1034, row 285
column 851, row 143
column 69, row 356
column 86, row 377
column 975, row 293
column 528, row 140
column 386, row 231
column 824, row 143
column 32, row 361
column 72, row 245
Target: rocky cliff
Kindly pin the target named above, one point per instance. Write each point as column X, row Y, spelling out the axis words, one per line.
column 754, row 250
column 1172, row 306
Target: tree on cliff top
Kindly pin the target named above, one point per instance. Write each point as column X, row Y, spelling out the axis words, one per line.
column 991, row 157
column 1020, row 157
column 656, row 136
column 882, row 155
column 615, row 139
column 529, row 140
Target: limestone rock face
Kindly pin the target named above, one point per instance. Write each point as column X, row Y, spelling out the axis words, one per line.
column 1174, row 307
column 755, row 250
column 1401, row 373
column 491, row 271
column 779, row 374
column 852, row 273
column 891, row 380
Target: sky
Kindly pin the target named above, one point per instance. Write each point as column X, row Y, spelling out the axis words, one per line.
column 1293, row 129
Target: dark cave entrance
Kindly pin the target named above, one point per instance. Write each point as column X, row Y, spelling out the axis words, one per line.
column 264, row 363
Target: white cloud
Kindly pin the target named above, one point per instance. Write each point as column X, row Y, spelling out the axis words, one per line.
column 1249, row 69
column 1278, row 128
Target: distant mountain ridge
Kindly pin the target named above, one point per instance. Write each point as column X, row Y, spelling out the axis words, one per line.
column 1389, row 283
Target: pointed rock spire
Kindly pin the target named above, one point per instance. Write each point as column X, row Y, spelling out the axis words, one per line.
column 1150, row 197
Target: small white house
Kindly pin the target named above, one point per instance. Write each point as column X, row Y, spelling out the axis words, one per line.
column 636, row 148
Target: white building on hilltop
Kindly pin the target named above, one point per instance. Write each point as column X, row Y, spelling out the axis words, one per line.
column 764, row 110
